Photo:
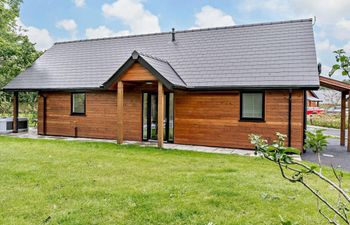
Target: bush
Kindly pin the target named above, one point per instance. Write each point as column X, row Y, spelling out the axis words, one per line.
column 325, row 120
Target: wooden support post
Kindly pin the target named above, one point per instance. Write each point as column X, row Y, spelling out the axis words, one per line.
column 160, row 123
column 348, row 122
column 342, row 118
column 120, row 112
column 15, row 112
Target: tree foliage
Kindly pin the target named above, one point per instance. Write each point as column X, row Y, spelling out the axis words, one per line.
column 16, row 52
column 317, row 142
column 343, row 63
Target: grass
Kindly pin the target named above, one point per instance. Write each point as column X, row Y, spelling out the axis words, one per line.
column 62, row 182
column 331, row 120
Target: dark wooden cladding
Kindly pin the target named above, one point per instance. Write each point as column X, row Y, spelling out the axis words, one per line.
column 212, row 119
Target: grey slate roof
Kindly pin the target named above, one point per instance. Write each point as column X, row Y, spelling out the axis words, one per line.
column 267, row 55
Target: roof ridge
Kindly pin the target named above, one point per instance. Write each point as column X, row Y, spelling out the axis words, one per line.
column 164, row 61
column 153, row 57
column 189, row 30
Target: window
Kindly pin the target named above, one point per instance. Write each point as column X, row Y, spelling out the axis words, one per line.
column 150, row 117
column 252, row 106
column 78, row 103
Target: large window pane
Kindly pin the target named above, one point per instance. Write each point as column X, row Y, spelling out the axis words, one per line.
column 165, row 117
column 150, row 116
column 252, row 105
column 154, row 116
column 78, row 104
column 171, row 117
column 144, row 116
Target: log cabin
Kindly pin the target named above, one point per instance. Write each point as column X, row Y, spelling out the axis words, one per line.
column 210, row 87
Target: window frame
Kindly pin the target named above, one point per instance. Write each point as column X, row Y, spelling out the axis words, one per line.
column 252, row 119
column 71, row 104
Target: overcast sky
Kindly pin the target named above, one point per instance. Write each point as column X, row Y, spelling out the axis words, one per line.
column 49, row 21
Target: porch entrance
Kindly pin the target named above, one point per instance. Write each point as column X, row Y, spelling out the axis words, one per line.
column 150, row 117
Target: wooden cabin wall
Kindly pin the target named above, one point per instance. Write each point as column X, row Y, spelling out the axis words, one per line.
column 100, row 120
column 201, row 118
column 213, row 119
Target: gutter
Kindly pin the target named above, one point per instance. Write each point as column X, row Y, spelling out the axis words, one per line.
column 253, row 88
column 53, row 89
column 173, row 86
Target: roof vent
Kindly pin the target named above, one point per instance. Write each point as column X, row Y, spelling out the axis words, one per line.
column 173, row 34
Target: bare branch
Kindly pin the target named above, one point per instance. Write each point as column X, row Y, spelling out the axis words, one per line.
column 324, row 215
column 314, row 192
column 339, row 189
column 327, row 218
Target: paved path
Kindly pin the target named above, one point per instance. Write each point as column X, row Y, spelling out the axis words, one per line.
column 335, row 154
column 32, row 133
column 328, row 131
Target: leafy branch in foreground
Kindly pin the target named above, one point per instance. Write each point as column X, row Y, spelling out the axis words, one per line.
column 298, row 172
column 343, row 63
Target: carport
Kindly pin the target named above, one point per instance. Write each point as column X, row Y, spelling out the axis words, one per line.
column 344, row 88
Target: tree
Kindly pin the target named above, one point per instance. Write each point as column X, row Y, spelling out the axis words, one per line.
column 16, row 52
column 343, row 63
column 331, row 98
column 317, row 142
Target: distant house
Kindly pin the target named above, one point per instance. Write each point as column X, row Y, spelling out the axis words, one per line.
column 312, row 99
column 209, row 87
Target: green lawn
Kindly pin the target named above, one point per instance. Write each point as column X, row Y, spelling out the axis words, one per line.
column 61, row 182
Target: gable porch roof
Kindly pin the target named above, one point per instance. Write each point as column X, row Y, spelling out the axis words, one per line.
column 161, row 69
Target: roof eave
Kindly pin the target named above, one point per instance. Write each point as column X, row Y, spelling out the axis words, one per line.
column 73, row 89
column 229, row 88
column 172, row 87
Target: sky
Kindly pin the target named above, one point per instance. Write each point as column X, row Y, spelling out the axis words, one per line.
column 49, row 21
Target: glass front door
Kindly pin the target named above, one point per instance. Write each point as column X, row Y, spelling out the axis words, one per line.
column 150, row 116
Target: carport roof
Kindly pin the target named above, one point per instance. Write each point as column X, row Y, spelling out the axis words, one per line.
column 334, row 84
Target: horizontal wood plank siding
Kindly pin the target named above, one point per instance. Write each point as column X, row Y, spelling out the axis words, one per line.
column 201, row 118
column 138, row 73
column 297, row 119
column 132, row 114
column 100, row 120
column 212, row 119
